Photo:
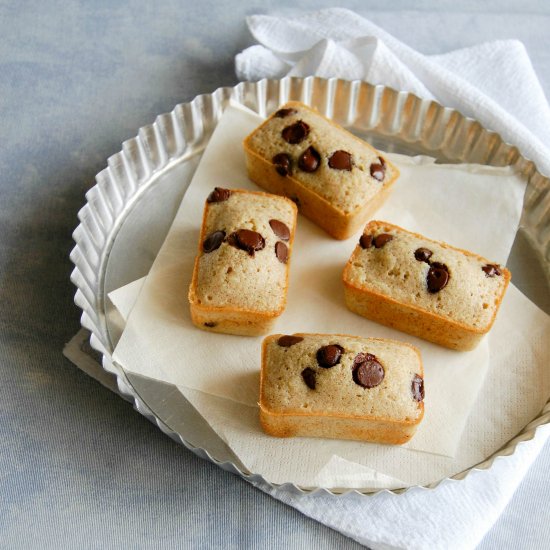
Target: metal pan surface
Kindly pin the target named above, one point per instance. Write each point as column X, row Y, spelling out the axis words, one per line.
column 130, row 209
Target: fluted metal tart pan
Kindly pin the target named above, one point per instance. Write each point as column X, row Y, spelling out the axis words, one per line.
column 129, row 211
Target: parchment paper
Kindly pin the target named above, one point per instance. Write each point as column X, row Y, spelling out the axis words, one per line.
column 470, row 206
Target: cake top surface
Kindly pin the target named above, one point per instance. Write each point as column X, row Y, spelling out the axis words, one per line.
column 330, row 161
column 244, row 251
column 342, row 375
column 433, row 276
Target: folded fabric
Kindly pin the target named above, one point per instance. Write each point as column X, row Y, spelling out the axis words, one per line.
column 493, row 82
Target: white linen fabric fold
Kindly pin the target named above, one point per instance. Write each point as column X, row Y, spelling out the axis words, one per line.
column 493, row 82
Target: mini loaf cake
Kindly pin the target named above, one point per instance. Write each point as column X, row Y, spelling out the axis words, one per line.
column 342, row 387
column 336, row 179
column 240, row 278
column 426, row 288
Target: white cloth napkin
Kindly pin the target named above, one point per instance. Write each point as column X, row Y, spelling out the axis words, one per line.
column 492, row 82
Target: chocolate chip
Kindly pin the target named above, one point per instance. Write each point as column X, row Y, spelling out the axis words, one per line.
column 378, row 170
column 296, row 201
column 309, row 160
column 281, row 251
column 213, row 241
column 417, row 388
column 438, row 277
column 367, row 370
column 330, row 355
column 283, row 164
column 340, row 160
column 210, row 324
column 295, row 133
column 382, row 239
column 491, row 270
column 280, row 229
column 365, row 241
column 219, row 195
column 423, row 254
column 287, row 341
column 308, row 374
column 248, row 240
column 283, row 113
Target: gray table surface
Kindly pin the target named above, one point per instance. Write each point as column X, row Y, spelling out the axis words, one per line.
column 78, row 466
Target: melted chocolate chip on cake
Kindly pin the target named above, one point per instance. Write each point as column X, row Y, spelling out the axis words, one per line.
column 491, row 270
column 280, row 229
column 382, row 239
column 283, row 164
column 295, row 133
column 367, row 370
column 245, row 239
column 340, row 160
column 281, row 251
column 219, row 195
column 309, row 160
column 286, row 341
column 283, row 113
column 423, row 254
column 437, row 278
column 417, row 388
column 309, row 377
column 330, row 355
column 213, row 241
column 365, row 241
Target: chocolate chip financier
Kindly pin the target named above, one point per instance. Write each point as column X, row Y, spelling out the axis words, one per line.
column 336, row 179
column 240, row 277
column 423, row 287
column 343, row 387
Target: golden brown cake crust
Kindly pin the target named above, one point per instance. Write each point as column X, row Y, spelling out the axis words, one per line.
column 338, row 200
column 457, row 316
column 336, row 405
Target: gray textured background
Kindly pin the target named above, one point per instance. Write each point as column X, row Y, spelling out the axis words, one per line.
column 78, row 467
